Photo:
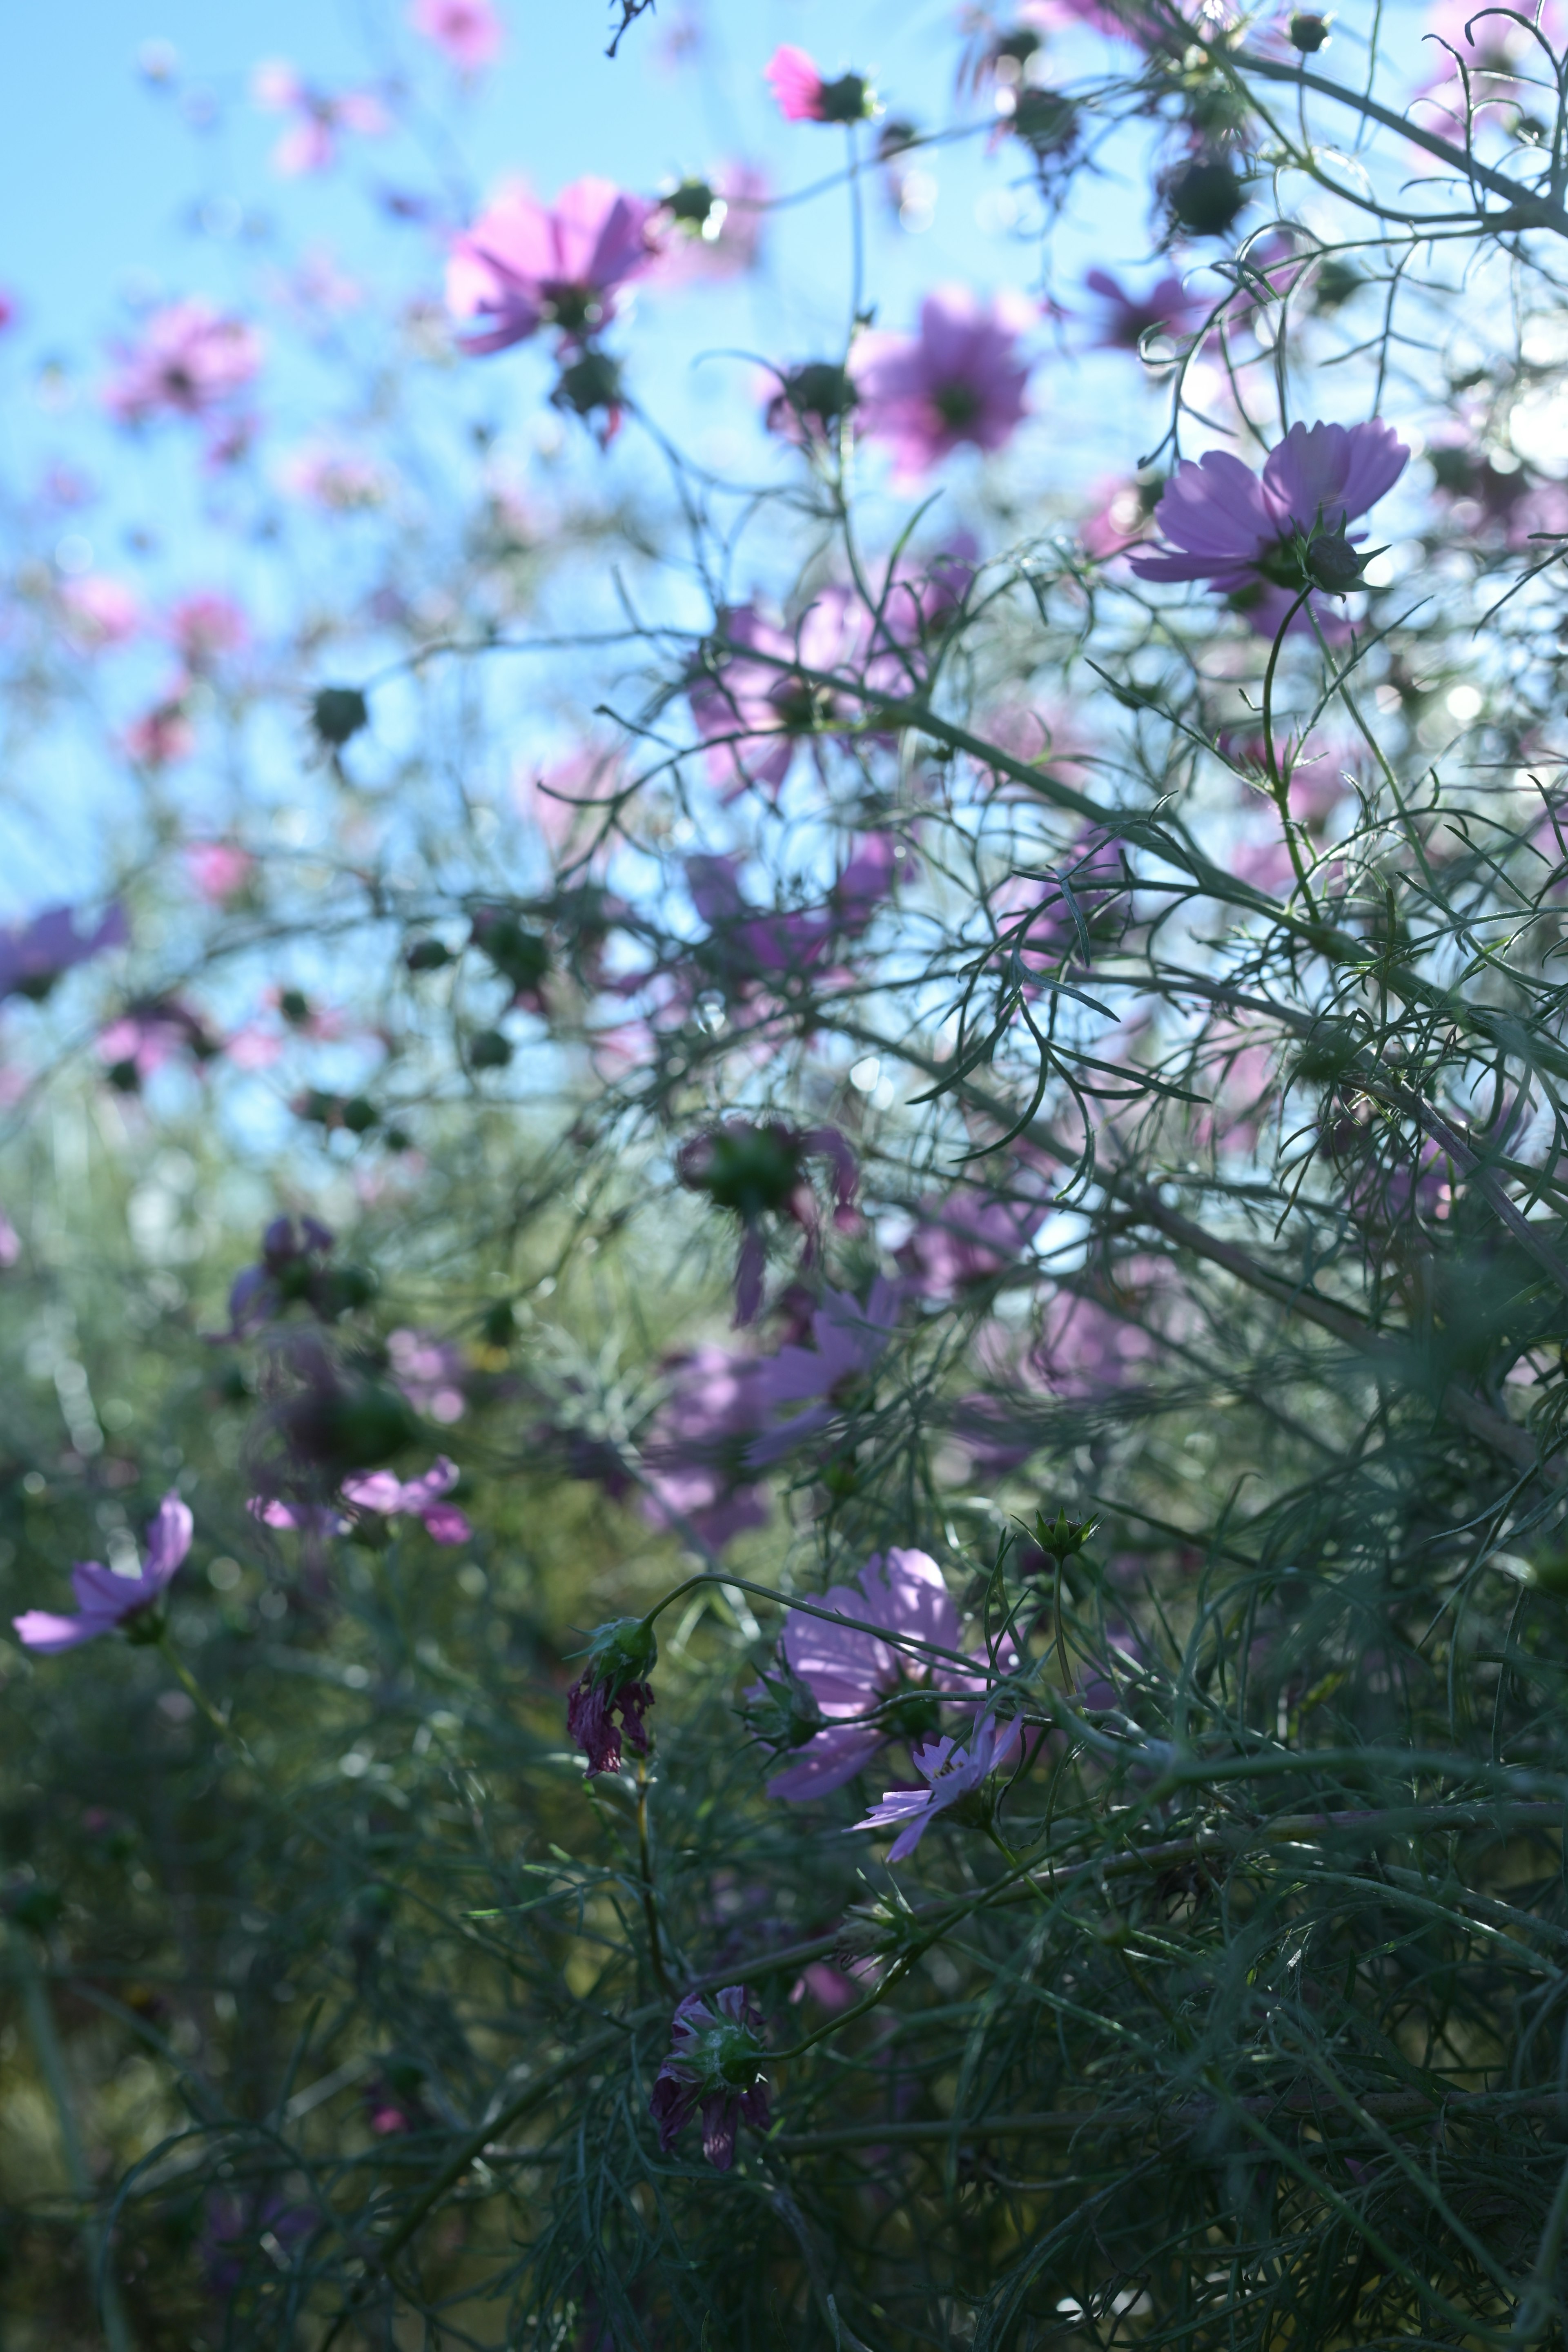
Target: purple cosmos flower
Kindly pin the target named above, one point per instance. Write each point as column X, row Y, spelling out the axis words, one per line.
column 966, row 1239
column 469, row 33
column 293, row 1265
column 189, row 361
column 870, row 1690
column 1261, row 540
column 951, row 1773
column 959, row 379
column 109, row 1599
column 697, row 1444
column 805, row 96
column 746, row 945
column 32, row 955
column 759, row 1171
column 1125, row 319
column 621, row 1657
column 755, row 715
column 848, row 1339
column 416, row 1498
column 714, row 2064
column 524, row 264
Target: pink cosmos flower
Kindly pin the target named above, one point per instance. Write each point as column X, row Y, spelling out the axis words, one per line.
column 469, row 33
column 755, row 715
column 694, row 1452
column 189, row 361
column 959, row 380
column 99, row 611
column 721, row 242
column 162, row 735
column 150, row 1034
column 746, row 945
column 805, row 96
column 848, row 1339
column 219, row 872
column 34, row 954
column 966, row 1239
column 343, row 481
column 420, row 1498
column 109, row 1599
column 310, row 142
column 312, row 1519
column 871, row 1691
column 1261, row 540
column 951, row 1774
column 1125, row 319
column 1121, row 514
column 10, row 1243
column 204, row 627
column 715, row 2065
column 430, row 1373
column 524, row 264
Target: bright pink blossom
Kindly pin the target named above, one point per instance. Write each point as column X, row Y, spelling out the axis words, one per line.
column 804, row 94
column 951, row 1773
column 310, row 142
column 109, row 1599
column 99, row 611
column 524, row 264
column 469, row 33
column 189, row 361
column 420, row 1498
column 1260, row 539
column 219, row 871
column 959, row 380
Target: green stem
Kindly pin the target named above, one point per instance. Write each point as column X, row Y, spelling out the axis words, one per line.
column 650, row 1902
column 1278, row 784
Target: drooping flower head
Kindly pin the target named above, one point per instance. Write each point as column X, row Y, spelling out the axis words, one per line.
column 469, row 33
column 1262, row 540
column 805, row 96
column 953, row 1775
column 34, row 954
column 959, row 380
column 621, row 1657
column 758, row 1172
column 109, row 1599
column 524, row 264
column 715, row 2065
column 189, row 361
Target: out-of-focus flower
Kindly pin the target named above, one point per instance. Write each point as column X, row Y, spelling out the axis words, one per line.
column 1121, row 514
column 99, row 611
column 621, row 1657
column 149, row 1033
column 524, row 264
column 430, row 1373
column 959, row 380
column 715, row 2065
column 469, row 33
column 163, row 735
column 952, row 1774
column 711, row 228
column 746, row 945
column 238, row 2231
column 10, row 309
column 1261, row 541
column 1167, row 309
column 108, row 1598
column 343, row 481
column 869, row 1690
column 310, row 142
column 694, row 1452
column 1502, row 57
column 293, row 1269
column 312, row 1519
column 759, row 1171
column 206, row 627
column 848, row 1342
column 754, row 709
column 189, row 361
column 392, row 1498
column 10, row 1243
column 804, row 96
column 220, row 872
column 966, row 1238
column 34, row 954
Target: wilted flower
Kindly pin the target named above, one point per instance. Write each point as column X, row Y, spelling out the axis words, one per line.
column 110, row 1599
column 469, row 33
column 1262, row 541
column 960, row 379
column 310, row 142
column 392, row 1498
column 34, row 954
column 524, row 264
column 804, row 96
column 189, row 361
column 952, row 1774
column 715, row 2065
column 621, row 1657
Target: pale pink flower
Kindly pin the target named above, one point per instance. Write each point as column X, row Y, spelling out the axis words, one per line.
column 805, row 96
column 421, row 1499
column 10, row 1242
column 108, row 1599
column 219, row 872
column 951, row 1773
column 695, row 1449
column 189, row 361
column 524, row 264
column 430, row 1373
column 755, row 715
column 960, row 380
column 162, row 735
column 150, row 1034
column 1121, row 514
column 469, row 33
column 720, row 242
column 310, row 142
column 341, row 480
column 204, row 627
column 100, row 612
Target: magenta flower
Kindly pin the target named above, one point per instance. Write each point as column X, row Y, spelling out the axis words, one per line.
column 960, row 379
column 804, row 96
column 952, row 1774
column 469, row 33
column 524, row 264
column 849, row 1340
column 715, row 2065
column 219, row 871
column 32, row 955
column 755, row 714
column 418, row 1498
column 310, row 142
column 1260, row 541
column 870, row 1690
column 1125, row 319
column 757, row 1172
column 621, row 1657
column 430, row 1372
column 189, row 361
column 109, row 1599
